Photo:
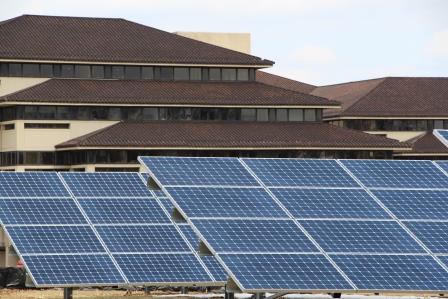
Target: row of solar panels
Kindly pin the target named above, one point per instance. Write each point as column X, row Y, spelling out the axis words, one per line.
column 78, row 229
column 316, row 225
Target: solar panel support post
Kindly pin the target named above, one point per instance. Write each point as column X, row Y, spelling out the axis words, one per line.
column 259, row 296
column 229, row 295
column 68, row 293
column 184, row 290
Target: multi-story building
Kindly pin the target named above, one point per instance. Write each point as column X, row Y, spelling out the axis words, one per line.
column 94, row 93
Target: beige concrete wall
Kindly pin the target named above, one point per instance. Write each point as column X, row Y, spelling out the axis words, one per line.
column 235, row 41
column 400, row 135
column 12, row 84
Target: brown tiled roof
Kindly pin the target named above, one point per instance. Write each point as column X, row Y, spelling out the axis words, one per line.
column 427, row 143
column 279, row 135
column 107, row 40
column 147, row 92
column 391, row 96
column 283, row 82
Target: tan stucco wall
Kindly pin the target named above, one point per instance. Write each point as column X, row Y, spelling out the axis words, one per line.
column 400, row 135
column 235, row 41
column 12, row 84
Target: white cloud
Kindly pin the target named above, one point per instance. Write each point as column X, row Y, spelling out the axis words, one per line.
column 313, row 54
column 438, row 44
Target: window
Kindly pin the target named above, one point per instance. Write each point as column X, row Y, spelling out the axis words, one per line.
column 438, row 124
column 295, row 114
column 243, row 74
column 57, row 70
column 31, row 70
column 272, row 116
column 228, row 74
column 134, row 114
column 248, row 114
column 181, row 73
column 99, row 113
column 132, row 72
column 195, row 73
column 166, row 73
column 262, row 115
column 114, row 113
column 46, row 126
column 9, row 127
column 98, row 71
column 117, row 72
column 30, row 112
column 251, row 74
column 15, row 70
column 107, row 72
column 46, row 112
column 82, row 71
column 65, row 112
column 282, row 115
column 147, row 72
column 150, row 113
column 205, row 75
column 310, row 114
column 46, row 70
column 67, row 71
column 215, row 74
column 4, row 70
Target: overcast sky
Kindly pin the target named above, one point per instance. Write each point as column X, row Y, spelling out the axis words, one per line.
column 315, row 41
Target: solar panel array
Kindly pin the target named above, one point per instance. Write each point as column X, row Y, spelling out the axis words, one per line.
column 316, row 225
column 78, row 229
column 442, row 135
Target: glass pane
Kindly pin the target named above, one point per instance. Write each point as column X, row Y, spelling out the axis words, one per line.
column 243, row 74
column 56, row 70
column 117, row 72
column 228, row 74
column 251, row 74
column 272, row 115
column 107, row 72
column 150, row 113
column 100, row 113
column 319, row 114
column 233, row 114
column 114, row 113
column 82, row 71
column 135, row 113
column 162, row 114
column 83, row 113
column 4, row 69
column 181, row 73
column 310, row 114
column 132, row 72
column 282, row 114
column 31, row 70
column 46, row 70
column 30, row 112
column 185, row 114
column 47, row 112
column 438, row 124
column 262, row 115
column 215, row 74
column 205, row 74
column 147, row 72
column 63, row 112
column 248, row 114
column 15, row 70
column 295, row 114
column 67, row 71
column 166, row 73
column 98, row 71
column 195, row 73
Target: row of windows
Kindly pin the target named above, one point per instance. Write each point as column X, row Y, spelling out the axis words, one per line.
column 393, row 124
column 156, row 113
column 79, row 157
column 125, row 72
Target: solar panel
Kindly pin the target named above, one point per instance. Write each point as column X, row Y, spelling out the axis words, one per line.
column 214, row 267
column 443, row 165
column 415, row 204
column 199, row 171
column 254, row 235
column 226, row 202
column 393, row 272
column 40, row 211
column 158, row 193
column 285, row 271
column 105, row 184
column 294, row 172
column 442, row 135
column 92, row 269
column 167, row 204
column 161, row 268
column 433, row 234
column 142, row 238
column 397, row 173
column 123, row 210
column 329, row 203
column 191, row 236
column 31, row 184
column 361, row 236
column 55, row 239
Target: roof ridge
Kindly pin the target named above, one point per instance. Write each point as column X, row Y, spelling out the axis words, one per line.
column 351, row 82
column 70, row 17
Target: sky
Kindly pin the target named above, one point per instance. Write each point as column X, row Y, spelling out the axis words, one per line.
column 315, row 41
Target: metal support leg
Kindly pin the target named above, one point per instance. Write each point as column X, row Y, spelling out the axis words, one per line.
column 68, row 293
column 259, row 296
column 147, row 291
column 336, row 295
column 229, row 295
column 183, row 290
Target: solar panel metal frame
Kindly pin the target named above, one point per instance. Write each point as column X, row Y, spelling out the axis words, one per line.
column 439, row 133
column 233, row 282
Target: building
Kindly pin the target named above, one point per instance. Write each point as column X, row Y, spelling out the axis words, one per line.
column 91, row 94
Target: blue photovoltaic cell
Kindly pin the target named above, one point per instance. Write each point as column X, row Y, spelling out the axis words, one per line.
column 444, row 259
column 443, row 164
column 361, row 236
column 254, row 236
column 393, row 272
column 285, row 271
column 55, row 239
column 415, row 204
column 329, row 203
column 167, row 204
column 191, row 236
column 123, row 210
column 159, row 193
column 397, row 173
column 31, row 184
column 106, row 184
column 294, row 172
column 214, row 267
column 443, row 134
column 199, row 171
column 73, row 269
column 142, row 238
column 226, row 202
column 433, row 234
column 147, row 268
column 40, row 211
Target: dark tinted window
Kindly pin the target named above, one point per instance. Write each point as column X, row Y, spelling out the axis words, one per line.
column 132, row 72
column 117, row 72
column 282, row 114
column 262, row 115
column 272, row 116
column 150, row 114
column 114, row 113
column 243, row 74
column 310, row 115
column 181, row 73
column 46, row 70
column 147, row 72
column 57, row 70
column 195, row 73
column 31, row 70
column 82, row 71
column 205, row 75
column 107, row 72
column 15, row 69
column 296, row 114
column 248, row 114
column 47, row 112
column 228, row 74
column 166, row 73
column 214, row 74
column 98, row 71
column 251, row 74
column 4, row 69
column 67, row 70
